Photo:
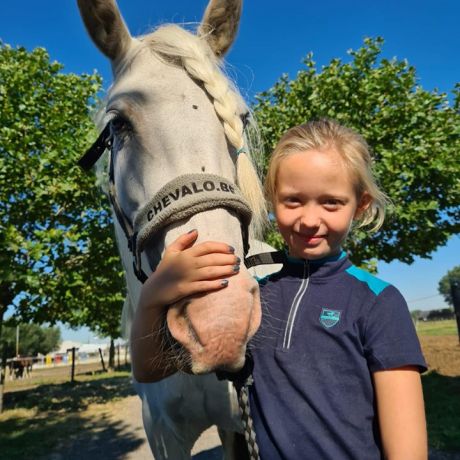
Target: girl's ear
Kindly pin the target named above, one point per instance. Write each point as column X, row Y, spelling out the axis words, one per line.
column 363, row 204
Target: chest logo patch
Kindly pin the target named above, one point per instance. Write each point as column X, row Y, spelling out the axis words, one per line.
column 329, row 318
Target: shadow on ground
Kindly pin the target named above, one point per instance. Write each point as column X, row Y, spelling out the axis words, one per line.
column 102, row 440
column 70, row 397
column 442, row 405
column 68, row 418
column 210, row 454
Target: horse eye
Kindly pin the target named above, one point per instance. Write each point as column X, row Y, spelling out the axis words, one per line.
column 118, row 124
column 245, row 119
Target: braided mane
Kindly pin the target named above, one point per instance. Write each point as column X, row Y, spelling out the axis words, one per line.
column 174, row 44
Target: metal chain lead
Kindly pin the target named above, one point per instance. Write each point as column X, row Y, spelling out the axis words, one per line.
column 248, row 424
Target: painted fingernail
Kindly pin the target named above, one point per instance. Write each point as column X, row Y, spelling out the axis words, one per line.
column 236, row 268
column 224, row 283
column 238, row 260
column 191, row 231
column 231, row 249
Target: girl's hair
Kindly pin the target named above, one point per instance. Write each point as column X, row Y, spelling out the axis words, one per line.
column 325, row 134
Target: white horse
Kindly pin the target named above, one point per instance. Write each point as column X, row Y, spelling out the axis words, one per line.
column 179, row 160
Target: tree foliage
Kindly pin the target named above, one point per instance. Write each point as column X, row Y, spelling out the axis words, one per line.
column 414, row 135
column 33, row 339
column 444, row 286
column 57, row 256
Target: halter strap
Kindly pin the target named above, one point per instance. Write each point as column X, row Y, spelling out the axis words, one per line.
column 183, row 197
column 103, row 142
column 179, row 199
column 265, row 258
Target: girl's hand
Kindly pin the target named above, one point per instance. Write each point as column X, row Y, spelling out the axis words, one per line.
column 186, row 270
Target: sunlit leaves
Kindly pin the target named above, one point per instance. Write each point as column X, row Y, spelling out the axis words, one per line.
column 414, row 135
column 452, row 277
column 56, row 234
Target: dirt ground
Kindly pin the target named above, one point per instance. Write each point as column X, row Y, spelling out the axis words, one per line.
column 117, row 434
column 442, row 354
column 122, row 421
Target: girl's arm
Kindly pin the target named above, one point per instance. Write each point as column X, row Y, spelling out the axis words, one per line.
column 183, row 271
column 401, row 413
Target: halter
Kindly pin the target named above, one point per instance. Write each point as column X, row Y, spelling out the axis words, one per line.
column 179, row 199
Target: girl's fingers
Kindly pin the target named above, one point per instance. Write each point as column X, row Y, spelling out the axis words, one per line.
column 215, row 260
column 210, row 247
column 184, row 241
column 215, row 272
column 200, row 287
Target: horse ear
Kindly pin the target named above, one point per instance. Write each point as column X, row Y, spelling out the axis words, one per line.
column 220, row 24
column 105, row 26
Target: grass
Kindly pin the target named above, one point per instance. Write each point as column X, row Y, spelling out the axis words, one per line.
column 442, row 406
column 437, row 328
column 36, row 420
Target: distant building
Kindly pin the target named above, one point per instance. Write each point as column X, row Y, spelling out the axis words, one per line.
column 67, row 345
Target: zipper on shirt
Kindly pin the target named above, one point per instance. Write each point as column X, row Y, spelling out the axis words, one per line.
column 295, row 305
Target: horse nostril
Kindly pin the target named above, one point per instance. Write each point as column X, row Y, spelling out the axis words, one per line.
column 195, row 107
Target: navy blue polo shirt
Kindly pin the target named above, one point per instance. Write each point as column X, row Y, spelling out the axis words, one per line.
column 326, row 327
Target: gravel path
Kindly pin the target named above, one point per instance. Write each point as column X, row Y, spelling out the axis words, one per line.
column 115, row 432
column 206, row 448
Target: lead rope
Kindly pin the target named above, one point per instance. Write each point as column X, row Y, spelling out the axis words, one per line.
column 242, row 380
column 248, row 424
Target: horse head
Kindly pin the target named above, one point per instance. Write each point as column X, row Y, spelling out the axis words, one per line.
column 175, row 126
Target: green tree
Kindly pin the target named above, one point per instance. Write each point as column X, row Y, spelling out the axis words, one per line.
column 414, row 135
column 33, row 339
column 444, row 286
column 57, row 255
column 100, row 278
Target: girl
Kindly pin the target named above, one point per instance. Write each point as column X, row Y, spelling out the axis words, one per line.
column 336, row 360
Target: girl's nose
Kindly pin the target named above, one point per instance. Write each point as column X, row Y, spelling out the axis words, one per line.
column 310, row 218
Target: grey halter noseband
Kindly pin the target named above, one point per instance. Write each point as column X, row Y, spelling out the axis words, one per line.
column 179, row 199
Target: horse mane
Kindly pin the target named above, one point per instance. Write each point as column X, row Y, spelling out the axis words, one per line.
column 176, row 45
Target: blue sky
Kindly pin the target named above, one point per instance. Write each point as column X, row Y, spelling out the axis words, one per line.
column 273, row 39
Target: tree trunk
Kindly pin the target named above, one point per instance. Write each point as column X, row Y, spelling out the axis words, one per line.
column 455, row 291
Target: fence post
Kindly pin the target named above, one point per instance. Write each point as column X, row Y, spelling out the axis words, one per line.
column 455, row 291
column 118, row 356
column 72, row 375
column 102, row 360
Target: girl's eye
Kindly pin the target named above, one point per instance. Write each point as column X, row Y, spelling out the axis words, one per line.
column 291, row 200
column 332, row 204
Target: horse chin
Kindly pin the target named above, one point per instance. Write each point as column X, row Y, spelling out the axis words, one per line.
column 214, row 329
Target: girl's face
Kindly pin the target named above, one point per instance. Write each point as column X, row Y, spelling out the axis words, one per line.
column 315, row 203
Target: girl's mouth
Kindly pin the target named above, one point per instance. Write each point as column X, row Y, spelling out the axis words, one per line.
column 314, row 239
column 311, row 239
